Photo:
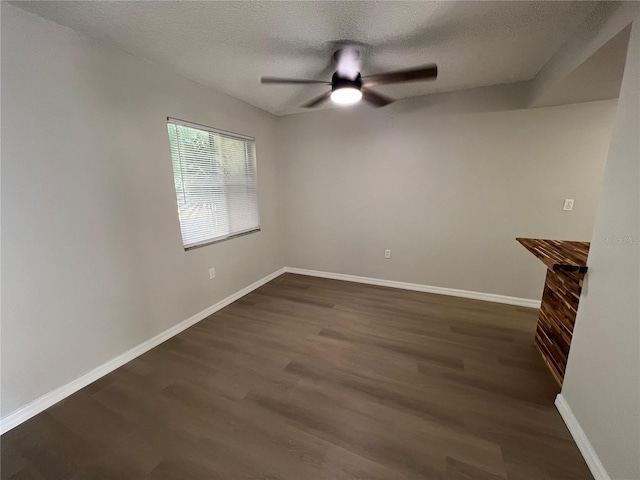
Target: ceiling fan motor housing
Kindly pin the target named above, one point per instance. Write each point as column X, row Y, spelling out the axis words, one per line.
column 338, row 82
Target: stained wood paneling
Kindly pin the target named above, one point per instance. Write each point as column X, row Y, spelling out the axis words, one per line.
column 566, row 266
column 559, row 254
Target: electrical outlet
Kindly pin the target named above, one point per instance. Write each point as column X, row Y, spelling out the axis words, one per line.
column 212, row 273
column 387, row 253
column 568, row 204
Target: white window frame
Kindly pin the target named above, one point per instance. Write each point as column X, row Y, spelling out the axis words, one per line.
column 227, row 134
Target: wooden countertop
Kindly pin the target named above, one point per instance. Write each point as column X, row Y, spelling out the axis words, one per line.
column 559, row 254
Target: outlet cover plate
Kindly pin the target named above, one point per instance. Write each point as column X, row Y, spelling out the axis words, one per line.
column 568, row 204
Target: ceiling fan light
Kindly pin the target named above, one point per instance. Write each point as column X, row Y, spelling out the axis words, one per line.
column 346, row 95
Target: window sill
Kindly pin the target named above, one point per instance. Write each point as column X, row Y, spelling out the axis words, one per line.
column 220, row 239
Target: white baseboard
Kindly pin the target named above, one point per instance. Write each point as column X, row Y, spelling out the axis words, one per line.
column 487, row 297
column 23, row 414
column 590, row 456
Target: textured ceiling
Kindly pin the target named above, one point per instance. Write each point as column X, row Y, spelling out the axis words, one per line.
column 229, row 45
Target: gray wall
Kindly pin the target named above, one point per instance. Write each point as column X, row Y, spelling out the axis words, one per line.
column 446, row 182
column 602, row 383
column 92, row 259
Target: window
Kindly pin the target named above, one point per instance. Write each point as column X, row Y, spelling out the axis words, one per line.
column 215, row 179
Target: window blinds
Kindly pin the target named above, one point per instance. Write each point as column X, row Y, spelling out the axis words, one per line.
column 216, row 183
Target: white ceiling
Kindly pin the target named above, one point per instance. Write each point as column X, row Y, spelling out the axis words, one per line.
column 230, row 45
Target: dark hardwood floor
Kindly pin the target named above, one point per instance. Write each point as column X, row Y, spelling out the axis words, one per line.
column 307, row 378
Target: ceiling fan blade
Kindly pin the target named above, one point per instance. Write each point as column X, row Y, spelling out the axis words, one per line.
column 317, row 101
column 376, row 99
column 428, row 72
column 290, row 80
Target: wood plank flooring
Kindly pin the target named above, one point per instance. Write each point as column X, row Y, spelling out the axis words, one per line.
column 308, row 378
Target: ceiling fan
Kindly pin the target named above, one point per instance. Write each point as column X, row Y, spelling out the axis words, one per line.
column 348, row 86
